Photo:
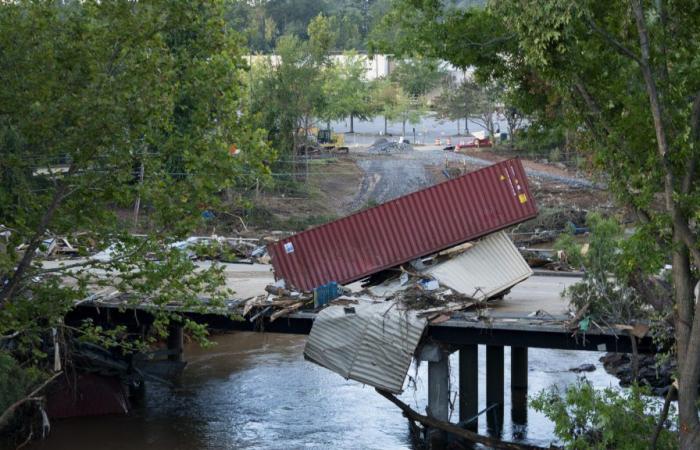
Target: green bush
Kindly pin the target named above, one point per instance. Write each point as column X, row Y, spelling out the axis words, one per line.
column 555, row 155
column 567, row 244
column 602, row 289
column 15, row 381
column 586, row 418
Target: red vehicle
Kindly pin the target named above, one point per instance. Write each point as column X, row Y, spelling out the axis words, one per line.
column 473, row 142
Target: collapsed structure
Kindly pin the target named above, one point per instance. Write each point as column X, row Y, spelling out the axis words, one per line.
column 433, row 252
column 413, row 226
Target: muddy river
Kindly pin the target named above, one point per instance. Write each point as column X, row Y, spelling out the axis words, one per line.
column 257, row 391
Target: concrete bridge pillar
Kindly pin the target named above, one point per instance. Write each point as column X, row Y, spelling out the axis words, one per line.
column 469, row 385
column 438, row 392
column 495, row 388
column 175, row 342
column 518, row 389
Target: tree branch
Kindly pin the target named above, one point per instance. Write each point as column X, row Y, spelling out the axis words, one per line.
column 624, row 51
column 454, row 429
column 10, row 288
column 663, row 417
column 7, row 414
column 695, row 136
column 652, row 91
column 592, row 105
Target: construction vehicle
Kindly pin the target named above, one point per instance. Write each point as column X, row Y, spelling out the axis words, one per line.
column 325, row 141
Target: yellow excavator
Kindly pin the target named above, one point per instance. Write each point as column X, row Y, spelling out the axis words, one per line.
column 327, row 141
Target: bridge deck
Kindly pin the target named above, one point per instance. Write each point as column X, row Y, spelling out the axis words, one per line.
column 508, row 322
column 533, row 314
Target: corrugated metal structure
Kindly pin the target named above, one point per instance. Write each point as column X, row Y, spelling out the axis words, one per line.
column 415, row 225
column 372, row 343
column 88, row 394
column 491, row 266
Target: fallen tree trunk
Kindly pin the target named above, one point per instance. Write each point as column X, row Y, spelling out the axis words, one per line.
column 454, row 429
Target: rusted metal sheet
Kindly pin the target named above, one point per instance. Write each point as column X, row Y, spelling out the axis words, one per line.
column 412, row 226
column 372, row 343
column 87, row 394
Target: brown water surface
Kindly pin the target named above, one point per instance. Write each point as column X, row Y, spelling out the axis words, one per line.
column 255, row 390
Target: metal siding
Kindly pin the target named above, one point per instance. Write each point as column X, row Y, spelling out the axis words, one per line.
column 494, row 264
column 374, row 345
column 406, row 228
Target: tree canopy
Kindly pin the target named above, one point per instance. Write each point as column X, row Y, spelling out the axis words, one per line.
column 104, row 103
column 264, row 22
column 623, row 78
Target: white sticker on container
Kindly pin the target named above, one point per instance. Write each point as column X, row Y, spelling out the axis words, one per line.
column 288, row 247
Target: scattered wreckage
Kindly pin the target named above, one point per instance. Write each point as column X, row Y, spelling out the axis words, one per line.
column 424, row 256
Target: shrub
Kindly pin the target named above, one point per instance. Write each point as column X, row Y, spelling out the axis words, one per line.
column 567, row 244
column 586, row 418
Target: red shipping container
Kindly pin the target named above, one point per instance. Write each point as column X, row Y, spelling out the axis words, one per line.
column 406, row 228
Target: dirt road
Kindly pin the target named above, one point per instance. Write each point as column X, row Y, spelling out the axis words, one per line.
column 390, row 176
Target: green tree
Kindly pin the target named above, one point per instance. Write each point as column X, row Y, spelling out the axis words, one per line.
column 95, row 93
column 251, row 19
column 470, row 101
column 385, row 98
column 293, row 17
column 622, row 77
column 286, row 90
column 418, row 76
column 346, row 90
column 405, row 108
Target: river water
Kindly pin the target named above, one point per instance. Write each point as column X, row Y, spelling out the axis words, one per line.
column 255, row 390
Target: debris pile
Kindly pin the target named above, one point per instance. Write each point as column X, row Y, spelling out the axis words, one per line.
column 277, row 302
column 224, row 249
column 383, row 145
column 435, row 287
column 53, row 247
column 549, row 224
column 658, row 375
column 428, row 255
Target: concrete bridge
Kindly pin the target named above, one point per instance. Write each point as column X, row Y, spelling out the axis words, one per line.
column 533, row 315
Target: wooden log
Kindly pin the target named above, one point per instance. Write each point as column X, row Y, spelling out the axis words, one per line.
column 286, row 311
column 274, row 290
column 453, row 429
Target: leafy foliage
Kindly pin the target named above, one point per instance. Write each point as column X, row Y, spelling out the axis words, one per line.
column 586, row 419
column 263, row 22
column 345, row 89
column 417, row 76
column 95, row 93
column 604, row 290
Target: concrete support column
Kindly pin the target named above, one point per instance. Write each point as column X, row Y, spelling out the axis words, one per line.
column 438, row 392
column 469, row 385
column 495, row 381
column 518, row 390
column 175, row 342
column 518, row 368
column 438, row 388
